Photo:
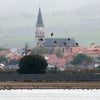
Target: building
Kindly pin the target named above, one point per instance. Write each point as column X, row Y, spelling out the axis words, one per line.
column 41, row 40
column 39, row 36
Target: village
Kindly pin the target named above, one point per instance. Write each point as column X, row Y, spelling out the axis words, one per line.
column 60, row 62
column 59, row 52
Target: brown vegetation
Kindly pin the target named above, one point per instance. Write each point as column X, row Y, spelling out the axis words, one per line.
column 49, row 85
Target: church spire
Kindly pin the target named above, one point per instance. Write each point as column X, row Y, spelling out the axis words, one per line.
column 39, row 35
column 39, row 20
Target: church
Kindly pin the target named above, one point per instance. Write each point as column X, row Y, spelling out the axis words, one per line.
column 41, row 40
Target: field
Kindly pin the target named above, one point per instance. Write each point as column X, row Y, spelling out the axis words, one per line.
column 49, row 85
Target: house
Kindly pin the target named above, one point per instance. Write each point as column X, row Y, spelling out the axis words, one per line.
column 54, row 61
column 2, row 66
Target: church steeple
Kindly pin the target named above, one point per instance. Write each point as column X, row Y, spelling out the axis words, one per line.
column 39, row 36
column 39, row 20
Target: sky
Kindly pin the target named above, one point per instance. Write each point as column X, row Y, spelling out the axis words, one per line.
column 8, row 7
column 19, row 17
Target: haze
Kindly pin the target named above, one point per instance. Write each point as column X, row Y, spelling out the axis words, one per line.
column 19, row 6
column 75, row 18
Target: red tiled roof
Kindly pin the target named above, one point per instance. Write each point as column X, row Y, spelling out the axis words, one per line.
column 14, row 57
column 50, row 56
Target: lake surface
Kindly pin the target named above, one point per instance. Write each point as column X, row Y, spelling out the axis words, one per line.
column 50, row 94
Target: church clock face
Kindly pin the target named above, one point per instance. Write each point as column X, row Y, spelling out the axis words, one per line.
column 40, row 28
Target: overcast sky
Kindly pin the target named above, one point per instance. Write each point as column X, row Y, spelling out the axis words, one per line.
column 13, row 27
column 11, row 7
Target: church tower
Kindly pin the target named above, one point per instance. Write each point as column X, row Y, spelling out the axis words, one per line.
column 39, row 35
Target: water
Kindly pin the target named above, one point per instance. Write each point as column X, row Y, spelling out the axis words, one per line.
column 50, row 94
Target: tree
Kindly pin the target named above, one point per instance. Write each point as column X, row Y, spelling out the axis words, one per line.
column 58, row 51
column 32, row 64
column 98, row 57
column 2, row 49
column 13, row 62
column 81, row 59
column 3, row 60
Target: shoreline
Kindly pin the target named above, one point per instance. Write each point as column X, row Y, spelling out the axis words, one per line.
column 49, row 85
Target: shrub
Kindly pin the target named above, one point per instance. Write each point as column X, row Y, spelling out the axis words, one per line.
column 32, row 64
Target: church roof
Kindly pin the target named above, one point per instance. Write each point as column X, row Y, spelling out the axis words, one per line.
column 39, row 20
column 61, row 42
